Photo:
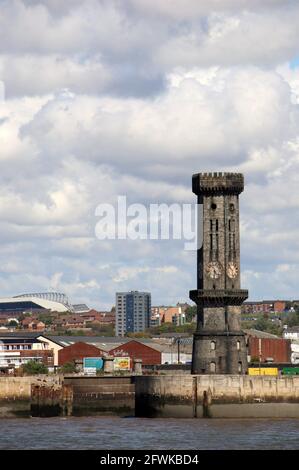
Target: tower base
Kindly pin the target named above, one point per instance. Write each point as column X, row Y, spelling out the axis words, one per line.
column 219, row 353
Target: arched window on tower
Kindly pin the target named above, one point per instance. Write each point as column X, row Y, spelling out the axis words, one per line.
column 213, row 345
column 212, row 367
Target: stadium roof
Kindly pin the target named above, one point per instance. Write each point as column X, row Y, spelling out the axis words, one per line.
column 52, row 296
column 26, row 303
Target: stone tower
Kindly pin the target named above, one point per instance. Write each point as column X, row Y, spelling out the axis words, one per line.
column 219, row 344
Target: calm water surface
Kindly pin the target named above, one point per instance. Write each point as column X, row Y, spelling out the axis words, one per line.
column 139, row 433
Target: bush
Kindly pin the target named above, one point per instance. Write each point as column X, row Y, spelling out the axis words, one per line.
column 34, row 367
column 68, row 368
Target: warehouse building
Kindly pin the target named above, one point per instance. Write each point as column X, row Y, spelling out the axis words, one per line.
column 151, row 351
column 138, row 350
column 265, row 347
column 77, row 352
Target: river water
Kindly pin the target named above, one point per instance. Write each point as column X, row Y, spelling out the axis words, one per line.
column 138, row 433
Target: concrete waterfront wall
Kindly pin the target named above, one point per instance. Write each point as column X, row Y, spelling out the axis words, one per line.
column 64, row 396
column 180, row 395
column 47, row 401
column 102, row 395
column 230, row 396
column 15, row 393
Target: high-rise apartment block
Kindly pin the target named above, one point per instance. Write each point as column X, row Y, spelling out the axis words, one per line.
column 133, row 311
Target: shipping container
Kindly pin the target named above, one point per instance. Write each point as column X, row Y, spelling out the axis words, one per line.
column 290, row 371
column 262, row 371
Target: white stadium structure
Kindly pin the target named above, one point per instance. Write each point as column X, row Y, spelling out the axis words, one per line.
column 36, row 302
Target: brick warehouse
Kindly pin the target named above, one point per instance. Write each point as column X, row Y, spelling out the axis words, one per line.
column 136, row 350
column 78, row 351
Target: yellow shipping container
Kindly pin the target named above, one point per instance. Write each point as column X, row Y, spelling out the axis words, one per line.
column 262, row 371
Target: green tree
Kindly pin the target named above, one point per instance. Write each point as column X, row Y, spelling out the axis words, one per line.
column 171, row 328
column 46, row 318
column 190, row 313
column 139, row 334
column 263, row 324
column 34, row 367
column 68, row 368
column 12, row 324
column 292, row 319
column 103, row 330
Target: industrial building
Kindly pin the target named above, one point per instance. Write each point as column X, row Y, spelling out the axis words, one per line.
column 54, row 351
column 265, row 347
column 137, row 350
column 77, row 352
column 151, row 351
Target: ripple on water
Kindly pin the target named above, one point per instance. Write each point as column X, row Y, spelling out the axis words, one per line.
column 139, row 433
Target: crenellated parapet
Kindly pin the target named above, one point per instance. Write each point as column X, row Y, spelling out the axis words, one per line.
column 213, row 183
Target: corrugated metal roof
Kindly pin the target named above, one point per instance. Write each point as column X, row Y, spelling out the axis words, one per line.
column 260, row 334
column 19, row 334
column 108, row 343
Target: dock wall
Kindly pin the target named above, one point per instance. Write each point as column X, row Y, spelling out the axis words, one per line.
column 181, row 395
column 222, row 396
column 15, row 393
column 102, row 395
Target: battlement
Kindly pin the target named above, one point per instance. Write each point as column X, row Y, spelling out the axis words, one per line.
column 217, row 183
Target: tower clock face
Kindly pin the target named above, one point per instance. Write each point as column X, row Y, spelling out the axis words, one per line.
column 232, row 270
column 214, row 269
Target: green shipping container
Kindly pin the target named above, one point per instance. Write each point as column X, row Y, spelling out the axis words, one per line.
column 290, row 371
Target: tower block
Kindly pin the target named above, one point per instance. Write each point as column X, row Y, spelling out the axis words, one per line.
column 219, row 344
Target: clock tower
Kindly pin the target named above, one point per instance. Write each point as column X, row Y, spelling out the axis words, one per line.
column 219, row 344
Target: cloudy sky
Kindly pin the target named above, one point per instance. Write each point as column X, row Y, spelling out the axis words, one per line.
column 101, row 98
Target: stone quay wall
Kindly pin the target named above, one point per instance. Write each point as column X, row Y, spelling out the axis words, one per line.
column 223, row 396
column 107, row 395
column 15, row 393
column 59, row 395
column 176, row 395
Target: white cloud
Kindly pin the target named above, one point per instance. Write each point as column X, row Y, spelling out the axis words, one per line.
column 192, row 8
column 35, row 74
column 125, row 48
column 233, row 39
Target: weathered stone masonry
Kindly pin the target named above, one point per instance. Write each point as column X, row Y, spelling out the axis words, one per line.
column 219, row 344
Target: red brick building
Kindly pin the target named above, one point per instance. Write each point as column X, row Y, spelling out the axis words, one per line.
column 69, row 322
column 44, row 356
column 104, row 318
column 264, row 306
column 136, row 350
column 32, row 324
column 279, row 306
column 78, row 351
